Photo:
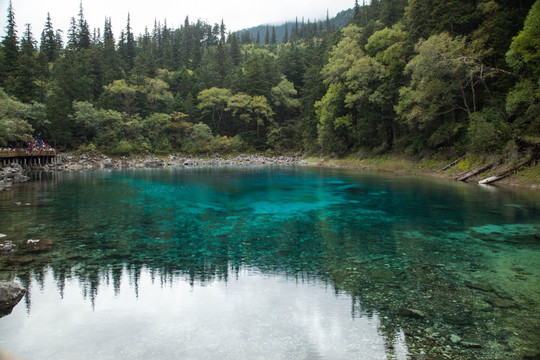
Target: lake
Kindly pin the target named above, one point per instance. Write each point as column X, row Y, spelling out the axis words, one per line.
column 270, row 263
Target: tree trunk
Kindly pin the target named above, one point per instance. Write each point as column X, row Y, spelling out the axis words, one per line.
column 451, row 164
column 476, row 172
column 492, row 179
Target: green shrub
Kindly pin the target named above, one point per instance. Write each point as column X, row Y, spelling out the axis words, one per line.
column 123, row 148
column 487, row 132
column 227, row 145
column 200, row 140
column 87, row 148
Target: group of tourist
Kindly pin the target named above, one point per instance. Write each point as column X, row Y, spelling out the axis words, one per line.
column 38, row 145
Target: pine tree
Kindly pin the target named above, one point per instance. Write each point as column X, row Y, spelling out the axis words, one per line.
column 73, row 39
column 111, row 58
column 328, row 23
column 356, row 16
column 273, row 40
column 286, row 36
column 83, row 32
column 391, row 11
column 26, row 88
column 59, row 39
column 108, row 37
column 10, row 49
column 186, row 48
column 236, row 52
column 246, row 38
column 126, row 47
column 49, row 48
column 222, row 30
column 267, row 35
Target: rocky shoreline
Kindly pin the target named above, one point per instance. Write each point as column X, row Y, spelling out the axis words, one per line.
column 10, row 175
column 71, row 162
column 15, row 173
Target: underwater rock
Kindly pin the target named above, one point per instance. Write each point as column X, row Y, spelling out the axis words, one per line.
column 503, row 294
column 40, row 244
column 532, row 356
column 382, row 274
column 455, row 338
column 10, row 295
column 470, row 344
column 457, row 319
column 419, row 357
column 411, row 313
column 23, row 260
column 502, row 303
column 478, row 286
column 6, row 248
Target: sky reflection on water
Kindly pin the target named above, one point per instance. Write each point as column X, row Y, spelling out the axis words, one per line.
column 253, row 316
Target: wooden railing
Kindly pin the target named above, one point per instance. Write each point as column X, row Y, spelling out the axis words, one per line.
column 4, row 154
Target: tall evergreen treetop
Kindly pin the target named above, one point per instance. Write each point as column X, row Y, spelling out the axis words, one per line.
column 273, row 39
column 73, row 39
column 49, row 47
column 222, row 30
column 10, row 43
column 267, row 35
column 24, row 83
column 127, row 45
column 28, row 44
column 108, row 37
column 83, row 32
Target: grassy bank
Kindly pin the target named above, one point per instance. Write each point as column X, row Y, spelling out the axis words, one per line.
column 526, row 177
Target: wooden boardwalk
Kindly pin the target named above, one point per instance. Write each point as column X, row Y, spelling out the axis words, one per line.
column 28, row 158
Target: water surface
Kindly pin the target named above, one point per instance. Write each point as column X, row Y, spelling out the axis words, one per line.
column 270, row 263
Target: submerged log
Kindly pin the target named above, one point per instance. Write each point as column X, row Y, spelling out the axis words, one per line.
column 451, row 164
column 476, row 172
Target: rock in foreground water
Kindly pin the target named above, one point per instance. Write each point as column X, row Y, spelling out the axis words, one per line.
column 10, row 295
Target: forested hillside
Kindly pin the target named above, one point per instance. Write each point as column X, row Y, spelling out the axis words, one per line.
column 416, row 77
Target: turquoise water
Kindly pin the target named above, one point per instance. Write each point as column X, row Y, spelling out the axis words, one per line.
column 270, row 263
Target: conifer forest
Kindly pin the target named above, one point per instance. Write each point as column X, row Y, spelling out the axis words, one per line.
column 419, row 77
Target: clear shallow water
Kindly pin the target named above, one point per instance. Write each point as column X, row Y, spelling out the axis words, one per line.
column 277, row 263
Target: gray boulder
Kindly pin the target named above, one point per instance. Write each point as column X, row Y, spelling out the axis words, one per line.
column 107, row 163
column 10, row 295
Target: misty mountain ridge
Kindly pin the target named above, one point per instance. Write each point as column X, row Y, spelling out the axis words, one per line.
column 341, row 20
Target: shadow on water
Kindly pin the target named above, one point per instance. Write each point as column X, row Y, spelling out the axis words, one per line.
column 443, row 269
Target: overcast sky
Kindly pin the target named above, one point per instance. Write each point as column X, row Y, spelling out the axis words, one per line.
column 237, row 14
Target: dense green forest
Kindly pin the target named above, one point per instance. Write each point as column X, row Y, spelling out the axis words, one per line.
column 416, row 77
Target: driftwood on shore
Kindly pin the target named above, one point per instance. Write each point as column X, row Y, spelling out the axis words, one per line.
column 504, row 174
column 451, row 164
column 477, row 171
